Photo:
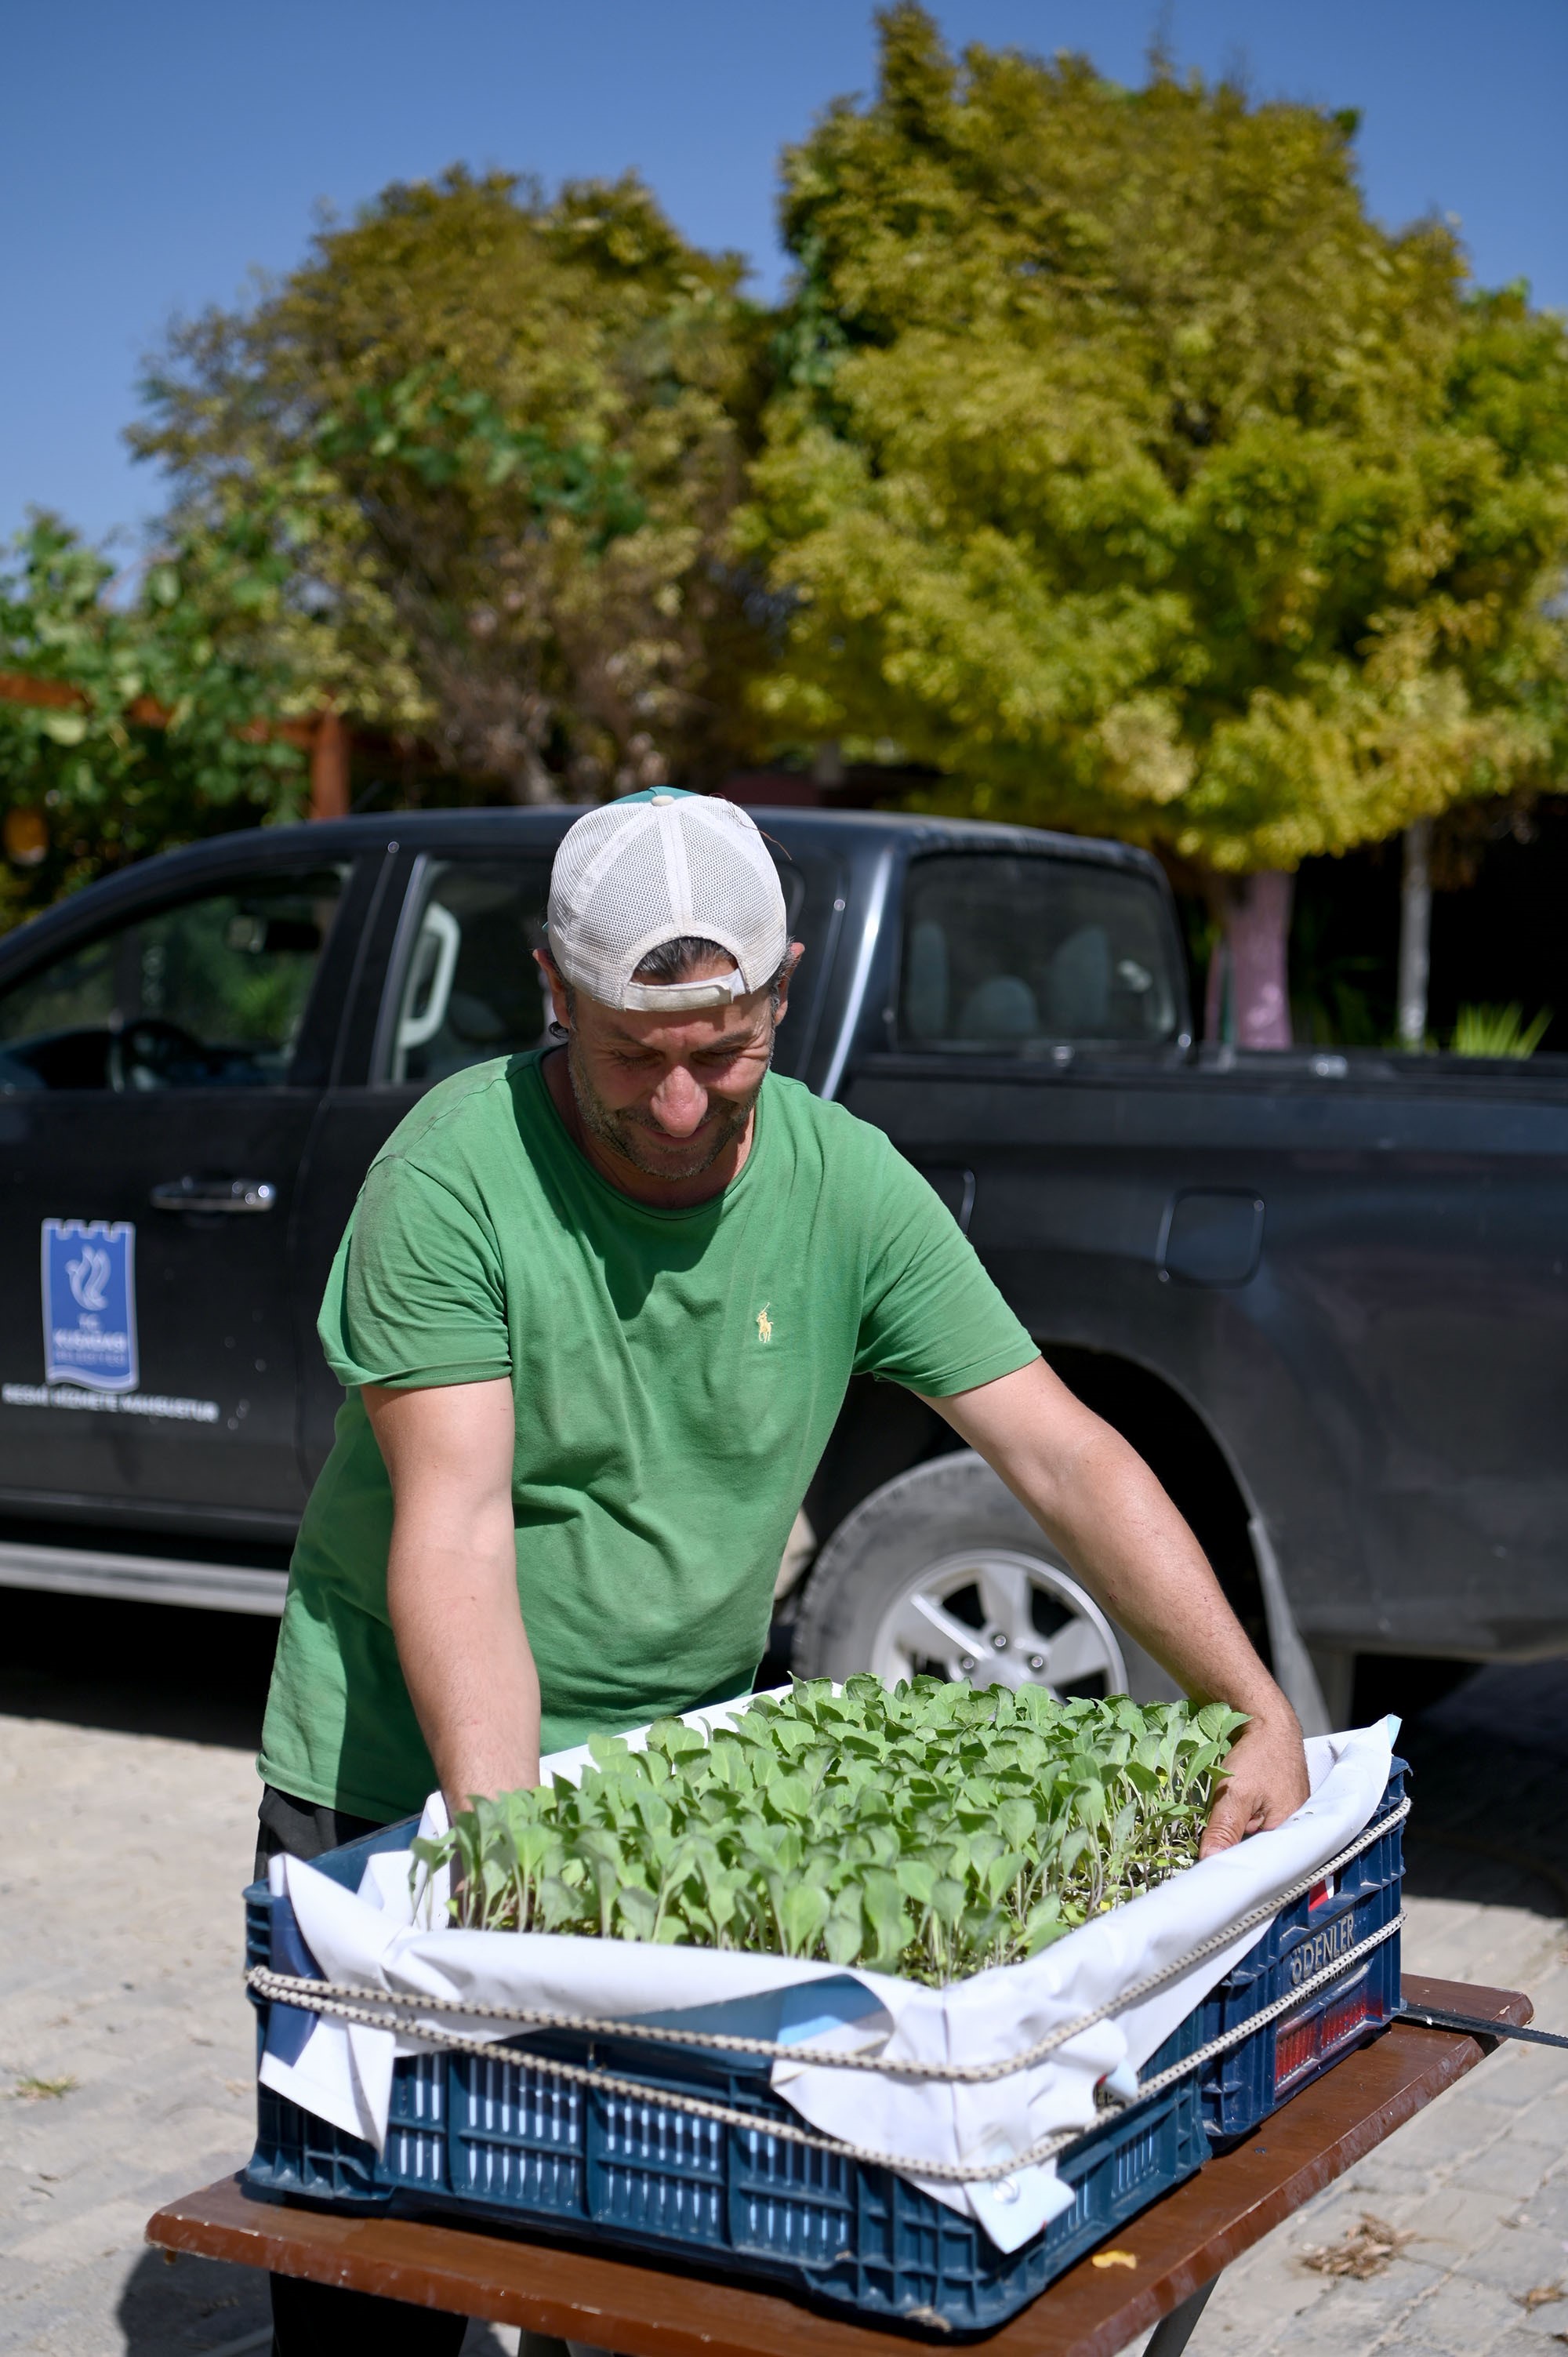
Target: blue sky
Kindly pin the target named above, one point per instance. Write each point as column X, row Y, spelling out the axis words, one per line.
column 151, row 158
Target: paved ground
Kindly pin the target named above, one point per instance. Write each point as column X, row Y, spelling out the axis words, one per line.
column 126, row 1749
column 125, row 1744
column 1478, row 2182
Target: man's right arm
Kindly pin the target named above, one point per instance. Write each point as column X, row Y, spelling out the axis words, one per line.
column 452, row 1582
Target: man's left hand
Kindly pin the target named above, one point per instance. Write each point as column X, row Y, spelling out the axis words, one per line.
column 1265, row 1781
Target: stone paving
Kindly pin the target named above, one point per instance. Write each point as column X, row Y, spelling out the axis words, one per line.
column 1479, row 2181
column 130, row 2009
column 125, row 2049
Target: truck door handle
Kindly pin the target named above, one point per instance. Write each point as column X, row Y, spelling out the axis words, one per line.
column 214, row 1195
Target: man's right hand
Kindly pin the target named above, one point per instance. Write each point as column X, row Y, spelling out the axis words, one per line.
column 452, row 1582
column 1262, row 1782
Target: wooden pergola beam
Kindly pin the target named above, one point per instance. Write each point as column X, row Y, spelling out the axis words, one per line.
column 329, row 748
column 15, row 687
column 327, row 737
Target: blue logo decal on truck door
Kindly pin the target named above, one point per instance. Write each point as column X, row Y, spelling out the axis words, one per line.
column 90, row 1304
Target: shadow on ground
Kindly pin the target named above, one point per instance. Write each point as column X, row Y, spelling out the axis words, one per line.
column 200, row 2308
column 195, row 2306
column 136, row 1669
column 1490, row 1771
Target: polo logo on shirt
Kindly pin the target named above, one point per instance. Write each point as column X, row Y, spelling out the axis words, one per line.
column 764, row 1323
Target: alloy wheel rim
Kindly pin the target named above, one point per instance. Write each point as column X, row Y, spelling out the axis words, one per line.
column 994, row 1617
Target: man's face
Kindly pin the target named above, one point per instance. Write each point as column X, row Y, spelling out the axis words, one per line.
column 668, row 1093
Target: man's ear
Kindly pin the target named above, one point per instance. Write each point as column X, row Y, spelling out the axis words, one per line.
column 559, row 1008
column 793, row 955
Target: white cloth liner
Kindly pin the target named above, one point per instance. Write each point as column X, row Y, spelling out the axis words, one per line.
column 343, row 2072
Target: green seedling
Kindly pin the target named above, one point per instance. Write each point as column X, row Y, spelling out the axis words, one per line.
column 39, row 2091
column 933, row 1831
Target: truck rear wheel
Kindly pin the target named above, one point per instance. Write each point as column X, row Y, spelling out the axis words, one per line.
column 942, row 1572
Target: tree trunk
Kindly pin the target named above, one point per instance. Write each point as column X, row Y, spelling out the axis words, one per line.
column 1252, row 957
column 1415, row 933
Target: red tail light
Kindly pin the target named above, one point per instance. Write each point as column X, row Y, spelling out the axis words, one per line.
column 1302, row 2039
column 1352, row 2012
column 1295, row 2045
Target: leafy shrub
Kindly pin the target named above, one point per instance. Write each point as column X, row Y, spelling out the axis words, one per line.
column 1499, row 1031
column 933, row 1831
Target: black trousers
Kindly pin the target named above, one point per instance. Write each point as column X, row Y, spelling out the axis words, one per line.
column 313, row 2320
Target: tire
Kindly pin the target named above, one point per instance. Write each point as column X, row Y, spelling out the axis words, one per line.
column 932, row 1569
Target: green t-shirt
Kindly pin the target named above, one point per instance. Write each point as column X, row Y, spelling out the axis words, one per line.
column 677, row 1375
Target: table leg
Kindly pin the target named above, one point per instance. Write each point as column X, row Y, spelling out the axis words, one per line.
column 1173, row 2332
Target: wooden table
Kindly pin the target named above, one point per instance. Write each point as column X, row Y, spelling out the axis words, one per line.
column 1179, row 2246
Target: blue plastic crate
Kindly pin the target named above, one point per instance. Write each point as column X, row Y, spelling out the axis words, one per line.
column 491, row 2138
column 1242, row 2088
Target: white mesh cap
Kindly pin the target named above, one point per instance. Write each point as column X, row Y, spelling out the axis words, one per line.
column 650, row 867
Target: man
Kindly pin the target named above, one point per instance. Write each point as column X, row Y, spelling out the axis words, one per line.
column 596, row 1313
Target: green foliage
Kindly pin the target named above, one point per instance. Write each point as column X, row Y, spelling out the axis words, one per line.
column 1340, row 995
column 38, row 2091
column 427, row 423
column 933, row 1831
column 111, row 781
column 1106, row 459
column 503, row 437
column 1126, row 472
column 1499, row 1031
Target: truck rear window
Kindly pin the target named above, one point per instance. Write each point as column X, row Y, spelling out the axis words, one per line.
column 1012, row 953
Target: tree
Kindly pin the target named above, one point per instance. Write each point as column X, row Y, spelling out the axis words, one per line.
column 1128, row 474
column 153, row 716
column 502, row 438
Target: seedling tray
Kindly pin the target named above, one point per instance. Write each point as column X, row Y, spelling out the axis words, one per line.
column 492, row 2139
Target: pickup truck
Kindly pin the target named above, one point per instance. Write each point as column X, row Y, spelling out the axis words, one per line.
column 1324, row 1293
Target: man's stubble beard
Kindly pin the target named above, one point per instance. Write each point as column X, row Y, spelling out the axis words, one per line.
column 623, row 1131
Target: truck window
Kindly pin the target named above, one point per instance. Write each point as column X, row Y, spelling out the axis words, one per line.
column 208, row 993
column 470, row 988
column 1005, row 953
